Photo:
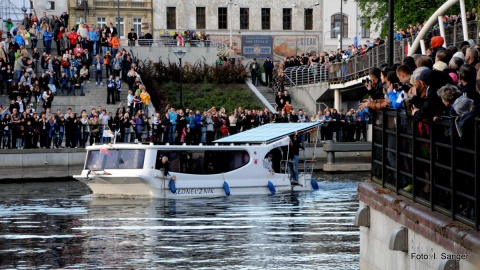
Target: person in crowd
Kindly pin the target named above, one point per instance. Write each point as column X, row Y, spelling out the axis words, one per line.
column 111, row 89
column 254, row 68
column 132, row 37
column 268, row 67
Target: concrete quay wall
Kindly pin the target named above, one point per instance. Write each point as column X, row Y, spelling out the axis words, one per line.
column 431, row 239
column 41, row 163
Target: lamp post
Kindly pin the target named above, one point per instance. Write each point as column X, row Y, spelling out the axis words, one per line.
column 341, row 23
column 305, row 23
column 180, row 54
column 229, row 4
column 118, row 19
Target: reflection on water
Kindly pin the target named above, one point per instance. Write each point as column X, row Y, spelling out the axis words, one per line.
column 52, row 225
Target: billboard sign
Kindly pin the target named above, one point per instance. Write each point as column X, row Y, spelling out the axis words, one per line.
column 256, row 46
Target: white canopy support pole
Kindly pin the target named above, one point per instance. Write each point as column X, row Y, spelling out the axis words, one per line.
column 464, row 20
column 422, row 47
column 442, row 30
column 431, row 22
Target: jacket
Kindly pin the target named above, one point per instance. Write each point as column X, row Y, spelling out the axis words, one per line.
column 47, row 36
column 97, row 61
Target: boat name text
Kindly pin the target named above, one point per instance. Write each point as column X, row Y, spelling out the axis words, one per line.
column 196, row 191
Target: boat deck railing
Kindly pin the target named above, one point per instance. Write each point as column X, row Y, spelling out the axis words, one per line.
column 428, row 162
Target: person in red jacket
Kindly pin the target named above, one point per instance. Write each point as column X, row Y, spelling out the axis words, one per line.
column 72, row 36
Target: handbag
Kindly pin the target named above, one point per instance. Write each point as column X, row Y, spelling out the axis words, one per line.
column 27, row 35
column 29, row 70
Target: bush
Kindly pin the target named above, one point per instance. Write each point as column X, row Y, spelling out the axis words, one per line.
column 204, row 85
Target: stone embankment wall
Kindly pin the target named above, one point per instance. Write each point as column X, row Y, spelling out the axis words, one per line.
column 429, row 240
column 41, row 163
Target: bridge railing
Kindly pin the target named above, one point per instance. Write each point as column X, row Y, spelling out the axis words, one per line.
column 357, row 66
column 428, row 163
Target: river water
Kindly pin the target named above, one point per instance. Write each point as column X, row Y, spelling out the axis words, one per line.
column 52, row 225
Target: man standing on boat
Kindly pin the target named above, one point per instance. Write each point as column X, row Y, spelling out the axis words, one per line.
column 164, row 165
column 293, row 158
column 267, row 163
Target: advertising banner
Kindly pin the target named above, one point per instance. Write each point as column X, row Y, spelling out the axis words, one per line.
column 236, row 42
column 256, row 46
column 286, row 46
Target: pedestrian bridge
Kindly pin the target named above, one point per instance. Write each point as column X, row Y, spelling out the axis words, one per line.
column 339, row 84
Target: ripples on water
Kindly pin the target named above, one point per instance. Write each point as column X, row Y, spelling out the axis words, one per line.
column 48, row 225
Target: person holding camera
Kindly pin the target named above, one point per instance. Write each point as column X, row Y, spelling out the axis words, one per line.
column 373, row 84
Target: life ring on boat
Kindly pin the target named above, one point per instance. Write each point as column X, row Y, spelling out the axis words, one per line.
column 171, row 183
column 271, row 187
column 314, row 185
column 226, row 188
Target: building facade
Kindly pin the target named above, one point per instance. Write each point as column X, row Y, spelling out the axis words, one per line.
column 288, row 27
column 136, row 14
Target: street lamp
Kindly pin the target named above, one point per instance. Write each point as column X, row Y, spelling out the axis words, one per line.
column 305, row 23
column 341, row 23
column 180, row 54
column 229, row 4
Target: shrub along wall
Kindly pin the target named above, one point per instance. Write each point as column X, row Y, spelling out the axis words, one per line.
column 204, row 85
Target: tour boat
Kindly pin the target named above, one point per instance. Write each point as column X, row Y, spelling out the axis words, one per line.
column 233, row 165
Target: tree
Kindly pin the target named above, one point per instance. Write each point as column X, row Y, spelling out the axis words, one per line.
column 407, row 13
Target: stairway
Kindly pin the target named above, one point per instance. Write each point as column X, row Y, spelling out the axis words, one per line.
column 94, row 96
column 268, row 94
column 296, row 104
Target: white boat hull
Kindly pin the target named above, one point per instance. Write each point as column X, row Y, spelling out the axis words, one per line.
column 147, row 186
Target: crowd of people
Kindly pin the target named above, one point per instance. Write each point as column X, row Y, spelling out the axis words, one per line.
column 444, row 83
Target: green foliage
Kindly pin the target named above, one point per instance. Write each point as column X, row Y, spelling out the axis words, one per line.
column 407, row 12
column 203, row 85
column 205, row 95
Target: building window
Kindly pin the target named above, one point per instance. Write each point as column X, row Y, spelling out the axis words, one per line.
column 101, row 22
column 171, row 18
column 244, row 18
column 137, row 25
column 50, row 5
column 201, row 21
column 308, row 13
column 222, row 18
column 121, row 29
column 265, row 19
column 287, row 19
column 365, row 30
column 337, row 22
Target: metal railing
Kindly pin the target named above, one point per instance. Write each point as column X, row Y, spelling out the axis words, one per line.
column 428, row 163
column 302, row 75
column 357, row 66
column 170, row 42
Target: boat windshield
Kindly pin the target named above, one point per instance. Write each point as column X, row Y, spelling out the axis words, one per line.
column 115, row 159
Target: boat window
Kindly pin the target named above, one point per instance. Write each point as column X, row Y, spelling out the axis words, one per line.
column 115, row 159
column 204, row 162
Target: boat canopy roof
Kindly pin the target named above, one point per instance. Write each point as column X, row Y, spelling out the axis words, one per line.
column 268, row 133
